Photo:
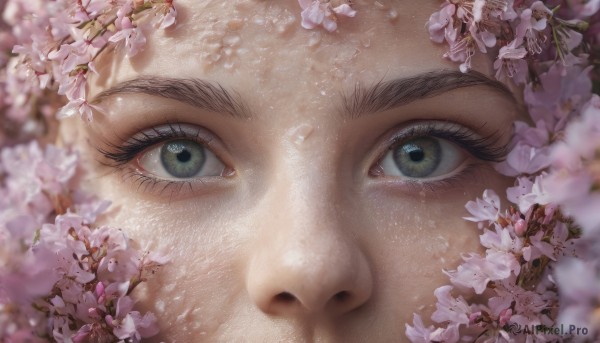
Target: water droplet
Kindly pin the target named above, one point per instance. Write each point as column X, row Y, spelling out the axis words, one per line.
column 183, row 316
column 379, row 5
column 258, row 20
column 438, row 246
column 299, row 134
column 393, row 14
column 315, row 39
column 214, row 57
column 160, row 306
column 232, row 40
column 284, row 23
column 339, row 73
column 365, row 42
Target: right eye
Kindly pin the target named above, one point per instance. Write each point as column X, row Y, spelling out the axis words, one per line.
column 181, row 159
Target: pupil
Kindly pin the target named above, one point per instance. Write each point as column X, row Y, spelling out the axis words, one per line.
column 184, row 156
column 417, row 155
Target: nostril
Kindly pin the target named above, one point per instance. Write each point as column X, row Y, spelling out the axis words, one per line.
column 342, row 296
column 285, row 297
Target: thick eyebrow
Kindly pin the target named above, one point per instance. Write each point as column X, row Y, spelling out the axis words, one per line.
column 196, row 92
column 386, row 95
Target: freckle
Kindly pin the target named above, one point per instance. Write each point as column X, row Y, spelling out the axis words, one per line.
column 235, row 24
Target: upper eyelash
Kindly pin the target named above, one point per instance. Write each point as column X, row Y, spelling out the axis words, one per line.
column 120, row 155
column 483, row 148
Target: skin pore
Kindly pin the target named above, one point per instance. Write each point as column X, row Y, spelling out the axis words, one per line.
column 301, row 229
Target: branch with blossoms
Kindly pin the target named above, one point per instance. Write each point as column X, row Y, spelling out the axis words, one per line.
column 52, row 48
column 541, row 266
column 63, row 278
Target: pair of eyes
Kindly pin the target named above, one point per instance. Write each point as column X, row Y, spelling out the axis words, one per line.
column 421, row 156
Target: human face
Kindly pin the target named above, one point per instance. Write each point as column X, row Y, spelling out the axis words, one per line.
column 300, row 225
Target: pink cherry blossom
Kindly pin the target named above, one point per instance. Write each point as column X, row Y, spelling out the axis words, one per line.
column 476, row 272
column 132, row 35
column 562, row 92
column 441, row 25
column 524, row 159
column 316, row 13
column 527, row 193
column 580, row 281
column 485, row 209
column 510, row 63
column 448, row 308
column 169, row 18
column 418, row 333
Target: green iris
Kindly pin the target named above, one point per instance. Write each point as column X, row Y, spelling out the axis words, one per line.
column 182, row 158
column 418, row 157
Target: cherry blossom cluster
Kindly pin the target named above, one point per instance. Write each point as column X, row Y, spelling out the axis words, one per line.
column 541, row 262
column 52, row 47
column 62, row 278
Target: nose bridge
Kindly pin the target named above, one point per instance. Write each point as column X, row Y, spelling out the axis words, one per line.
column 302, row 211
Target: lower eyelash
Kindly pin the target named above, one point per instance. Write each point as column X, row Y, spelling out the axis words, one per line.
column 147, row 183
column 461, row 180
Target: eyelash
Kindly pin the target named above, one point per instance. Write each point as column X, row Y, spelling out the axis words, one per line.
column 483, row 148
column 120, row 155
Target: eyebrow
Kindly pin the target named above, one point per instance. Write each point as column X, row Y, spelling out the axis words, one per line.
column 382, row 96
column 196, row 92
column 386, row 95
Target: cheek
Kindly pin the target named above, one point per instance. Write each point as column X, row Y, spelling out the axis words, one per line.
column 411, row 242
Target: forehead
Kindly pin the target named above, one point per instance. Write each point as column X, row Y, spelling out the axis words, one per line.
column 252, row 43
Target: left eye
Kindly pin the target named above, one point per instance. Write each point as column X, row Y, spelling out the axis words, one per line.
column 181, row 159
column 422, row 157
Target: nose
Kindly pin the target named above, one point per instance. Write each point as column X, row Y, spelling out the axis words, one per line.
column 306, row 260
